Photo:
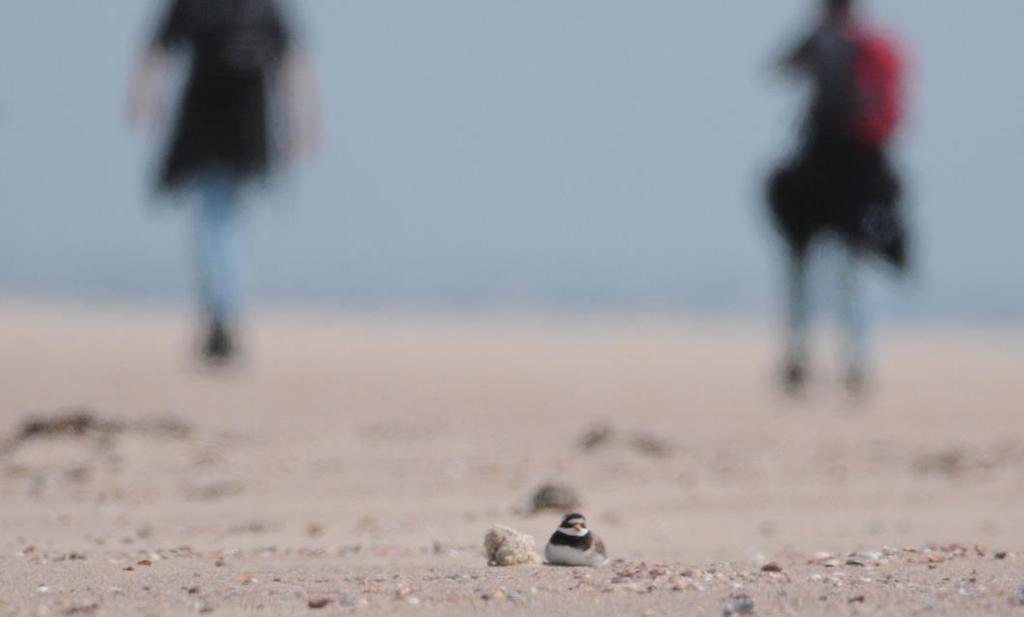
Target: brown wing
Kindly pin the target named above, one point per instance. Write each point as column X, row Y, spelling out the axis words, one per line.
column 599, row 546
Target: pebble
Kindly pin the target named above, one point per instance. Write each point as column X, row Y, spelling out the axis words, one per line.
column 201, row 606
column 559, row 497
column 740, row 605
column 771, row 567
column 347, row 600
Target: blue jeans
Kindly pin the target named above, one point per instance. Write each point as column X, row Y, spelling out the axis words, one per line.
column 851, row 314
column 217, row 246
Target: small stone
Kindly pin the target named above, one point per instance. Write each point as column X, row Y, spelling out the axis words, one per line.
column 1020, row 596
column 318, row 602
column 1000, row 555
column 440, row 548
column 84, row 608
column 558, row 497
column 680, row 583
column 403, row 591
column 831, row 563
column 858, row 599
column 771, row 567
column 652, row 445
column 854, row 561
column 739, row 605
column 202, row 606
column 597, row 436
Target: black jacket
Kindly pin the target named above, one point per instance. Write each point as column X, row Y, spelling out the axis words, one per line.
column 223, row 123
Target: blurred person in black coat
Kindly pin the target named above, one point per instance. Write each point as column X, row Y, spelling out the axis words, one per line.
column 244, row 65
column 840, row 182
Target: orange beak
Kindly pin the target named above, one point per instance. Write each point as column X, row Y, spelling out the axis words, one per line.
column 578, row 527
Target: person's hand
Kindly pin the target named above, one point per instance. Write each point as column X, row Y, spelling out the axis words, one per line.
column 145, row 92
column 302, row 107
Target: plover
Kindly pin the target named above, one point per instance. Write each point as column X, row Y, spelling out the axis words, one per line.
column 574, row 545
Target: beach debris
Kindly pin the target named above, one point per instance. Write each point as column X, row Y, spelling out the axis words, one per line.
column 212, row 490
column 558, row 497
column 83, row 608
column 404, row 591
column 680, row 583
column 315, row 530
column 651, row 445
column 447, row 550
column 1000, row 555
column 505, row 546
column 738, row 605
column 604, row 435
column 347, row 600
column 83, row 423
column 498, row 594
column 949, row 462
column 318, row 602
column 600, row 435
column 76, row 423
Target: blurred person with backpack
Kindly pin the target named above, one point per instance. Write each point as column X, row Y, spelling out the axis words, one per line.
column 243, row 65
column 840, row 182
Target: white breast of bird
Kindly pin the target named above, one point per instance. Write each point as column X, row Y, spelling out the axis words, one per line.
column 560, row 555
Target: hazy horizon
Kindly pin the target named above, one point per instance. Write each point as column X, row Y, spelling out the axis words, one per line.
column 577, row 155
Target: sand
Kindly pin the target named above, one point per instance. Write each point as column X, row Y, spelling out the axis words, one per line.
column 359, row 460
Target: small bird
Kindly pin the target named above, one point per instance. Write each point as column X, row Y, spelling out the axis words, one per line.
column 574, row 545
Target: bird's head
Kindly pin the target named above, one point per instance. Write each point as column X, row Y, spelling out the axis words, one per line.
column 574, row 525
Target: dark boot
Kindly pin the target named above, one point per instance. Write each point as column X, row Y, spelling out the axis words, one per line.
column 794, row 378
column 219, row 347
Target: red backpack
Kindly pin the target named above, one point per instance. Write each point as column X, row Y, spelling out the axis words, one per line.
column 879, row 80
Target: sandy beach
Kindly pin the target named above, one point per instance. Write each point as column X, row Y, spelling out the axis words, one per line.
column 356, row 461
